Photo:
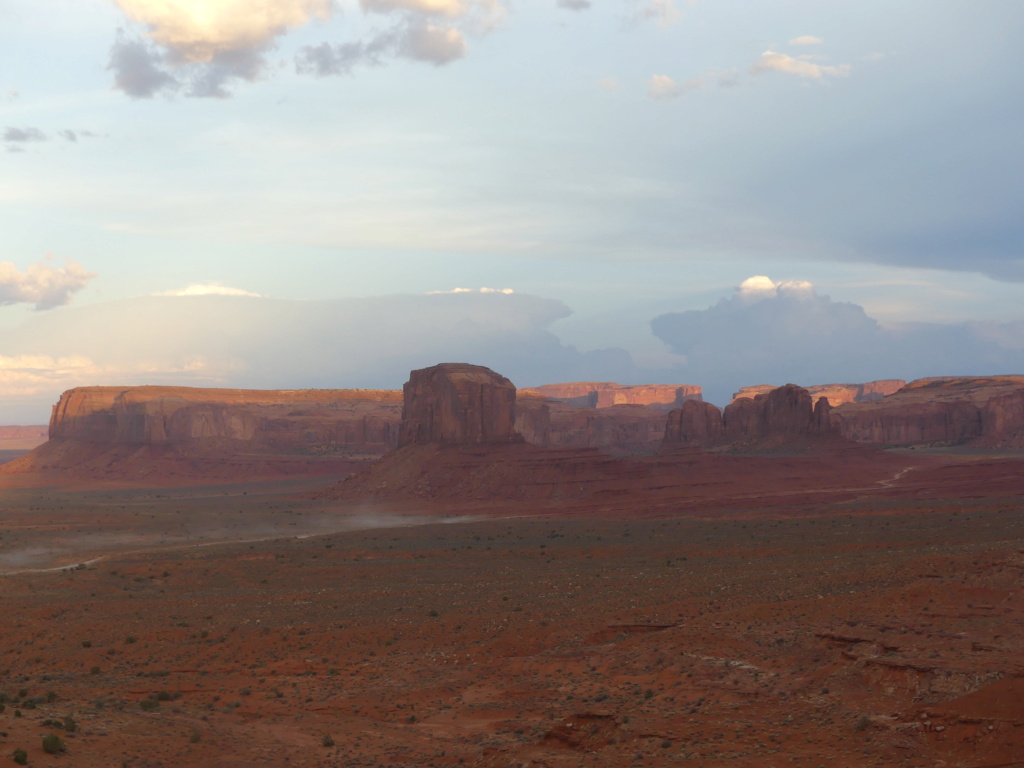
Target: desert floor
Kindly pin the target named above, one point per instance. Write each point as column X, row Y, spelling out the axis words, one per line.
column 261, row 625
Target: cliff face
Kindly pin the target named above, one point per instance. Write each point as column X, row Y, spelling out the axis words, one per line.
column 697, row 424
column 620, row 429
column 458, row 404
column 605, row 394
column 290, row 421
column 781, row 416
column 983, row 411
column 836, row 394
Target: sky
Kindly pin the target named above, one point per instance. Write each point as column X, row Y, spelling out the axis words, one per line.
column 309, row 193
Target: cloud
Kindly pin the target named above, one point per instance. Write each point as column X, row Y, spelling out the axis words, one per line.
column 198, row 31
column 806, row 40
column 609, row 83
column 771, row 61
column 663, row 87
column 208, row 289
column 137, row 68
column 201, row 44
column 663, row 12
column 41, row 284
column 429, row 7
column 436, row 44
column 574, row 5
column 772, row 332
column 14, row 137
column 252, row 342
column 326, row 60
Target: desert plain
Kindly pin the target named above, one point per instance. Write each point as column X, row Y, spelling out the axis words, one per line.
column 877, row 623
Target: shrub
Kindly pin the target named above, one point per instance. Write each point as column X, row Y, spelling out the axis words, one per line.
column 327, row 741
column 20, row 756
column 149, row 705
column 53, row 744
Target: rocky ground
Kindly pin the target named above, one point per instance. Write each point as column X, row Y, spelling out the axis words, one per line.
column 879, row 626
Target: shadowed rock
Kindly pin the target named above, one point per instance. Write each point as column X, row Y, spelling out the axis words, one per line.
column 458, row 404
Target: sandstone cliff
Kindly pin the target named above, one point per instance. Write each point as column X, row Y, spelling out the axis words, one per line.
column 981, row 411
column 619, row 429
column 605, row 394
column 836, row 394
column 457, row 404
column 118, row 432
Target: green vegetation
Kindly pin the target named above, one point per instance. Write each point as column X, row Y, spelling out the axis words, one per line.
column 53, row 744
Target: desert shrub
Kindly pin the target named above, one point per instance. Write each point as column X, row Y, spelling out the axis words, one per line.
column 196, row 736
column 70, row 724
column 20, row 756
column 149, row 705
column 53, row 744
column 87, row 643
column 94, row 670
column 327, row 741
column 51, row 696
column 862, row 724
column 164, row 696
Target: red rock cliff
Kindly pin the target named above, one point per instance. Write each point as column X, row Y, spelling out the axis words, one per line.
column 458, row 404
column 282, row 420
column 605, row 394
column 620, row 429
column 837, row 394
column 985, row 411
column 697, row 424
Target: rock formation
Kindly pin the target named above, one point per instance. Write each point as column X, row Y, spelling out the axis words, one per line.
column 605, row 394
column 776, row 418
column 620, row 429
column 697, row 424
column 982, row 411
column 117, row 432
column 837, row 394
column 457, row 404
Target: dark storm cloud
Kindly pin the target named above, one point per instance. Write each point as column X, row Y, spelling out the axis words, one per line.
column 771, row 333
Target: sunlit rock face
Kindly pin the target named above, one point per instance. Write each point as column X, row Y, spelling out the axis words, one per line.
column 303, row 421
column 837, row 394
column 605, row 394
column 458, row 404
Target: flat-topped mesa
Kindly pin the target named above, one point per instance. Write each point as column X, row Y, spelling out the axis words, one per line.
column 458, row 404
column 605, row 394
column 314, row 420
column 975, row 410
column 837, row 394
column 772, row 418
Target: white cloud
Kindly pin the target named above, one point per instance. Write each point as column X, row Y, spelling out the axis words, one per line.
column 41, row 284
column 199, row 30
column 450, row 8
column 806, row 40
column 609, row 83
column 663, row 87
column 208, row 289
column 772, row 61
column 761, row 287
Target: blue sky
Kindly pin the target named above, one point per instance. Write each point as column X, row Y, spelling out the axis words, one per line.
column 627, row 159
